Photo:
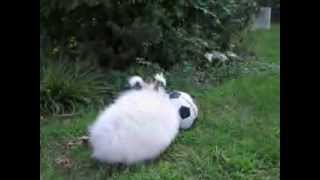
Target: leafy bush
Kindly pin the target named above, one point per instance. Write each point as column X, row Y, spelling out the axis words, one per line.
column 271, row 3
column 117, row 32
column 64, row 86
column 143, row 37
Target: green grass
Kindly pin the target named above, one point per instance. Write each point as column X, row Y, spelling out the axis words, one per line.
column 267, row 45
column 235, row 137
column 64, row 85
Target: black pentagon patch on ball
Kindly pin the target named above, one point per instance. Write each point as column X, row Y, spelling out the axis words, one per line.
column 174, row 95
column 184, row 112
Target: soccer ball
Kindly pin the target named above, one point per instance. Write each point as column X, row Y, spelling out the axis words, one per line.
column 188, row 110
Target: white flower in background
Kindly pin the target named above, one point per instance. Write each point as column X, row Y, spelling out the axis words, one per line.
column 141, row 60
column 231, row 54
column 208, row 56
column 216, row 55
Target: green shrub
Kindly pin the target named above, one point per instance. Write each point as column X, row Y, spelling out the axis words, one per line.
column 65, row 86
column 117, row 32
column 271, row 3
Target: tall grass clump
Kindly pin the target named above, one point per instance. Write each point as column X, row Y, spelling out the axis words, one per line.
column 65, row 86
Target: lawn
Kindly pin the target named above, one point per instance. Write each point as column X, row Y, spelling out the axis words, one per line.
column 235, row 137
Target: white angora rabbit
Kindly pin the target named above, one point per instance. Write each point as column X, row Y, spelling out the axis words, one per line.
column 138, row 126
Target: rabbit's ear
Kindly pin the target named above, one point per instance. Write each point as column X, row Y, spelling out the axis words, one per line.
column 160, row 78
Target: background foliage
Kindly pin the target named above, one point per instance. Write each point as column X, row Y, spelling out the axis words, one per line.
column 114, row 33
column 271, row 3
column 117, row 38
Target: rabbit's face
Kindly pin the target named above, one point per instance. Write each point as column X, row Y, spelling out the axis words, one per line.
column 137, row 83
column 154, row 85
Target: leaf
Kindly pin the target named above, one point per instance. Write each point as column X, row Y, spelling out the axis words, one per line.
column 83, row 140
column 64, row 162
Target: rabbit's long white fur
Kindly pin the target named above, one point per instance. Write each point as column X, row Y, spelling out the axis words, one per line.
column 138, row 126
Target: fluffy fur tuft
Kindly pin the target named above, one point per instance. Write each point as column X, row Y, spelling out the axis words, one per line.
column 135, row 81
column 137, row 127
